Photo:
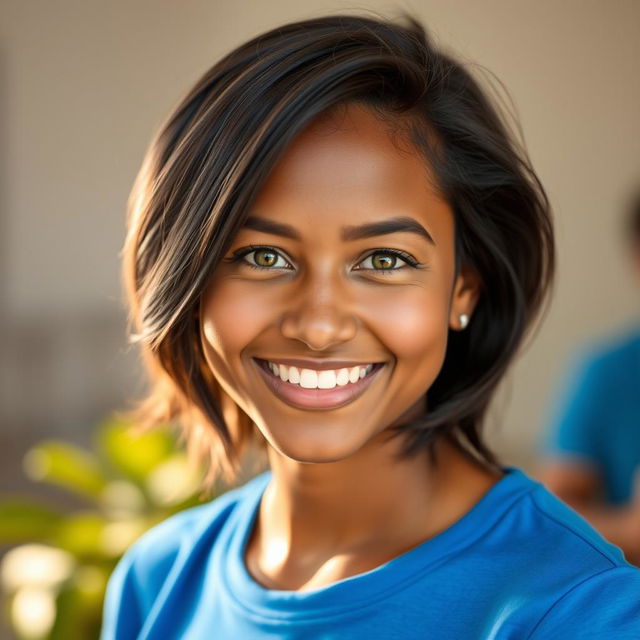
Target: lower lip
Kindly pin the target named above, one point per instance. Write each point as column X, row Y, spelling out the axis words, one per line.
column 301, row 398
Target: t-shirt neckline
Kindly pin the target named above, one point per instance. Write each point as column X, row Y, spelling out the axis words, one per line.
column 362, row 589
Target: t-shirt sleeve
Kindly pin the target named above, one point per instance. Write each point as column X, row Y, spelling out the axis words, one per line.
column 154, row 560
column 606, row 605
column 138, row 577
column 122, row 611
column 576, row 416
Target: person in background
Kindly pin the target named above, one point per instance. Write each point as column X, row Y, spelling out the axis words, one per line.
column 590, row 455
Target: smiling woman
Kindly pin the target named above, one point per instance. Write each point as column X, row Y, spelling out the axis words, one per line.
column 334, row 252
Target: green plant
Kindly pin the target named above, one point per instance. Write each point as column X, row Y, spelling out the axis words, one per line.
column 55, row 574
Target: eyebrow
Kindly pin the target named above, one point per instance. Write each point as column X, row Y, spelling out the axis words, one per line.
column 348, row 233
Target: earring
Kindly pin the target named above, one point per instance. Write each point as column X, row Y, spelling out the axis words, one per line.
column 464, row 320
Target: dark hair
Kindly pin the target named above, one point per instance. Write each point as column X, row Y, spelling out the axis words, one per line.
column 215, row 151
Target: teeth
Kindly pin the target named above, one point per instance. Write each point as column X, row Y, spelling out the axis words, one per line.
column 311, row 379
column 327, row 379
column 343, row 377
column 308, row 379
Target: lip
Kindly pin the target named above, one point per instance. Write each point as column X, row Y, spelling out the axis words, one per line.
column 301, row 398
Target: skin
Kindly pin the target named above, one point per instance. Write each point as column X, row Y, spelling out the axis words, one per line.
column 339, row 504
column 581, row 486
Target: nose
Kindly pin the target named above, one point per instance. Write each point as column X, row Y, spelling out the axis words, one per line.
column 320, row 316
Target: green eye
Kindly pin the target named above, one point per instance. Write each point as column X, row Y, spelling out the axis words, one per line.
column 383, row 261
column 265, row 257
column 388, row 261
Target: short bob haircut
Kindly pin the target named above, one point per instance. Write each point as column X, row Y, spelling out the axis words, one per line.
column 210, row 158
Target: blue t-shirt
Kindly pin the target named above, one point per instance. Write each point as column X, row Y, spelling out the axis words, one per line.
column 519, row 565
column 596, row 416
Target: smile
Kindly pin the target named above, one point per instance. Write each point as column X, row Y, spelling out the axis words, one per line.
column 326, row 379
column 309, row 389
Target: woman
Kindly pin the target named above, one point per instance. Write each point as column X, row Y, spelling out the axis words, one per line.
column 334, row 251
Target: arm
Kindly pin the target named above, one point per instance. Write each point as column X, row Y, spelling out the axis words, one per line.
column 579, row 485
column 571, row 454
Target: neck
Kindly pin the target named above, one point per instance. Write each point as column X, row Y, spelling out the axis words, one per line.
column 371, row 504
column 340, row 504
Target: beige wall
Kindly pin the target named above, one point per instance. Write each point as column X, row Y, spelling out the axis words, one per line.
column 83, row 85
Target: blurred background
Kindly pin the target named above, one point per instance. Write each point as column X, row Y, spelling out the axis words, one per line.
column 83, row 85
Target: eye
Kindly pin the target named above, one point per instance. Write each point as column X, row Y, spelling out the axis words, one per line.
column 382, row 260
column 385, row 260
column 265, row 257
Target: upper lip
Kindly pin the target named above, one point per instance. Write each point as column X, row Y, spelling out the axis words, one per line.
column 319, row 365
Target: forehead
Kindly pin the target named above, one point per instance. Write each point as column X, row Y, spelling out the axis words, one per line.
column 348, row 167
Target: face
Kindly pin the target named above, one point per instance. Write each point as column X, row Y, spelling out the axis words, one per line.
column 313, row 288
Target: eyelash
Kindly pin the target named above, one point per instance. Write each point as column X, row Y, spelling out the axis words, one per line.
column 241, row 253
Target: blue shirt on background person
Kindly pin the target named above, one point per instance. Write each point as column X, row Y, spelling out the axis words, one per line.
column 595, row 418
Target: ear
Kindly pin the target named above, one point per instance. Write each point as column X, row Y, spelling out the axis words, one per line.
column 464, row 297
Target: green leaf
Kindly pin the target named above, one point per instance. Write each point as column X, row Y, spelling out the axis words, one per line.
column 24, row 520
column 81, row 533
column 79, row 605
column 66, row 465
column 135, row 454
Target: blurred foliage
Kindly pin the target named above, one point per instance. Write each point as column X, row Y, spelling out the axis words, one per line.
column 54, row 576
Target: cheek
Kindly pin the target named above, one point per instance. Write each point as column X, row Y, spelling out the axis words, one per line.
column 229, row 318
column 416, row 328
column 416, row 334
column 229, row 324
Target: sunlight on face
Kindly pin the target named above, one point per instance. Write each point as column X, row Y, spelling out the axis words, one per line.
column 312, row 287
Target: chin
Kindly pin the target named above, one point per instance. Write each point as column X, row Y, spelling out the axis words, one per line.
column 309, row 451
column 313, row 460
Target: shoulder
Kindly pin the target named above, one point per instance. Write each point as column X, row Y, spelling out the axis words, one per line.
column 566, row 529
column 161, row 552
column 604, row 605
column 596, row 592
column 157, row 549
column 152, row 556
column 576, row 583
column 547, row 541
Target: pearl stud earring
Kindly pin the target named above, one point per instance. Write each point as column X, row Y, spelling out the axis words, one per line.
column 464, row 320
